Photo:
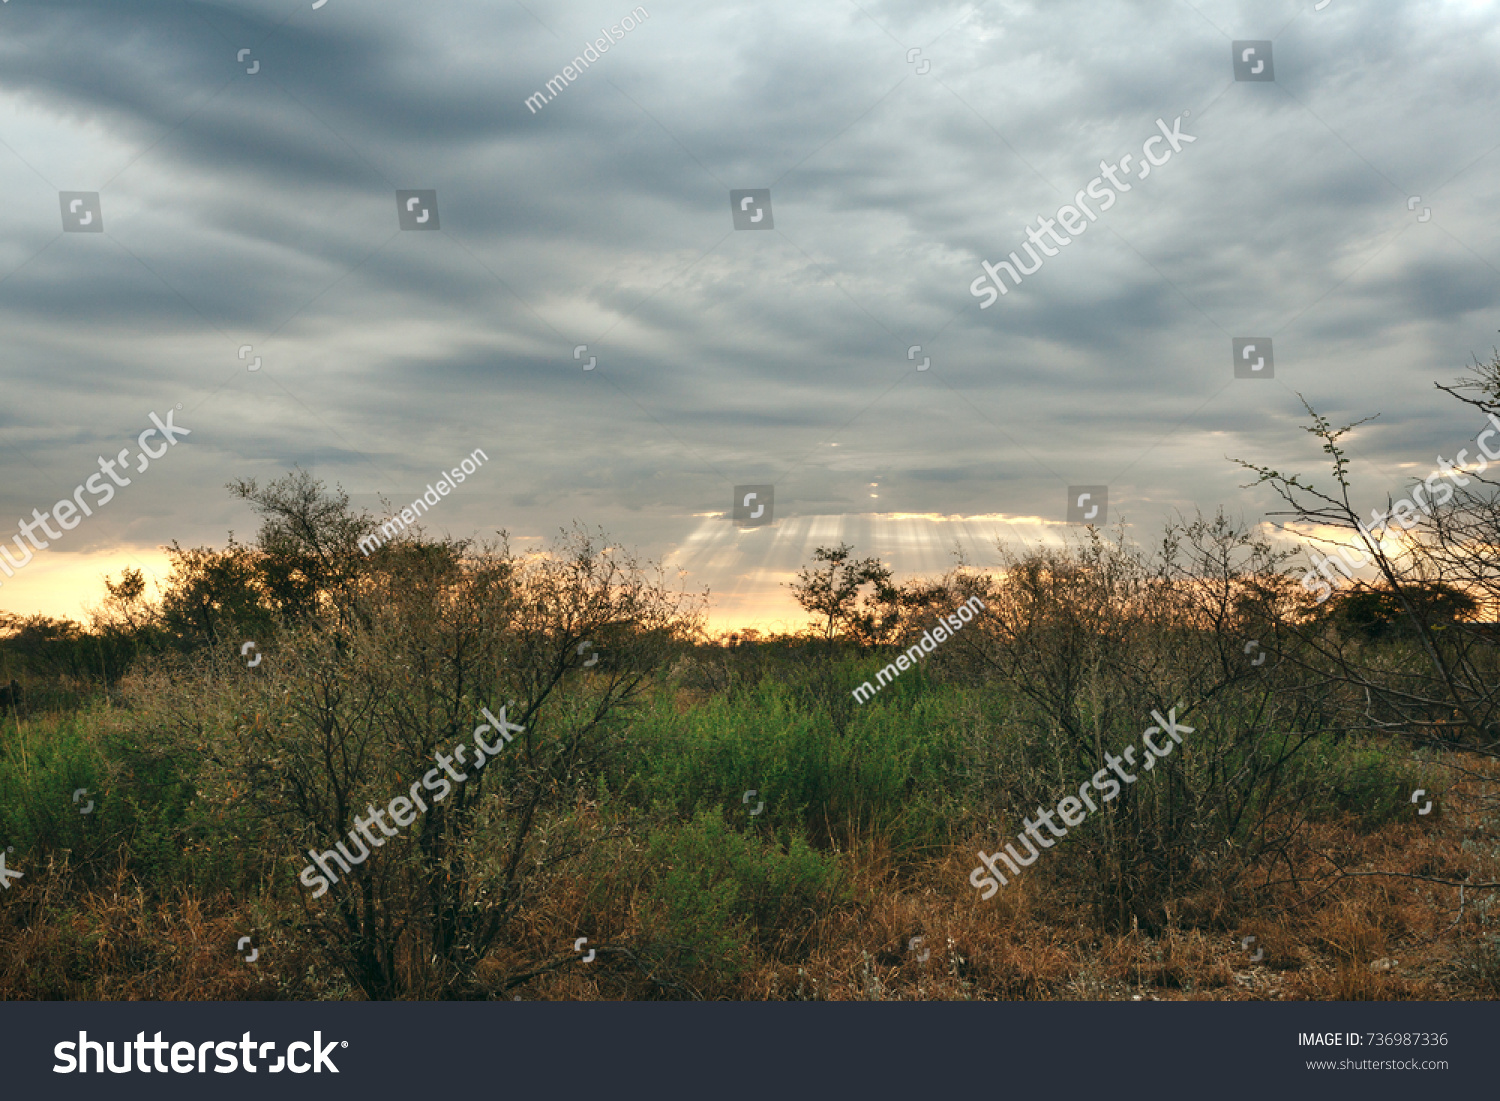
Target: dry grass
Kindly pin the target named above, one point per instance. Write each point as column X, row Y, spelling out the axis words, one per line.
column 1322, row 938
column 115, row 944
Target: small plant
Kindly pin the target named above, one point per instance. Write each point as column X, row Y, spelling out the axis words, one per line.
column 717, row 897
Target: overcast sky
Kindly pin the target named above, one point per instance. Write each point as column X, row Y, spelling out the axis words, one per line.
column 260, row 208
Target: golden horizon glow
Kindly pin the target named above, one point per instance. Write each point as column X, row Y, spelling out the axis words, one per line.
column 747, row 571
column 65, row 585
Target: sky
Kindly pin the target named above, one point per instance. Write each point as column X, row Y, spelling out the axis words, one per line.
column 244, row 159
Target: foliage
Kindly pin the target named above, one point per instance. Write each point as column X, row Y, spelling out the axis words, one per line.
column 832, row 593
column 718, row 897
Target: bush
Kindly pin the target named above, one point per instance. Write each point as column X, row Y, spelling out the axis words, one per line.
column 1371, row 782
column 715, row 897
column 891, row 771
column 142, row 805
column 345, row 714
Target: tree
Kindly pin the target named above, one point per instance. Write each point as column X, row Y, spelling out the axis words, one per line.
column 308, row 538
column 1374, row 612
column 126, row 610
column 302, row 568
column 1436, row 564
column 832, row 593
column 214, row 596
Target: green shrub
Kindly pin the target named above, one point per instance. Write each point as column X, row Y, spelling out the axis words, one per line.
column 891, row 771
column 1369, row 781
column 143, row 808
column 714, row 897
column 42, row 763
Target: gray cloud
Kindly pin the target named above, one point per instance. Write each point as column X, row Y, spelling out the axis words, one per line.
column 260, row 209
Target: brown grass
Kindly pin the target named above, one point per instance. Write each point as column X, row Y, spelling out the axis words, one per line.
column 115, row 944
column 1323, row 938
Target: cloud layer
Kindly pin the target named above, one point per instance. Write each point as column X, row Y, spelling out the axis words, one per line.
column 259, row 209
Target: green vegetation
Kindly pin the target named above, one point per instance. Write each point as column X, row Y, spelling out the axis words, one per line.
column 628, row 810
